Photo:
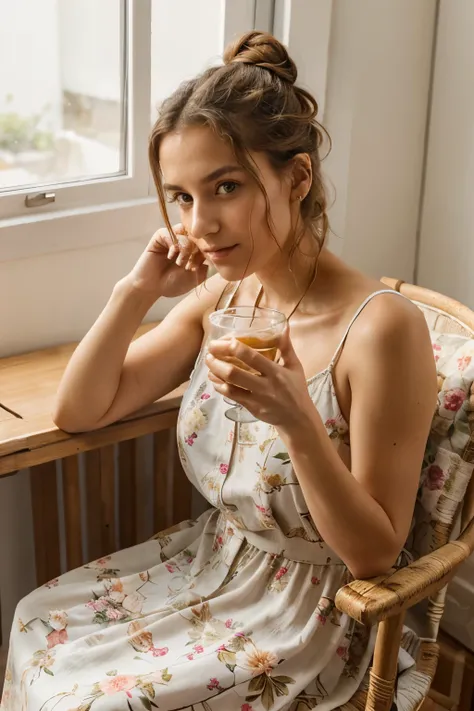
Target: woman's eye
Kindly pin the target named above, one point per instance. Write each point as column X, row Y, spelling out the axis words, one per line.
column 226, row 188
column 180, row 198
column 183, row 198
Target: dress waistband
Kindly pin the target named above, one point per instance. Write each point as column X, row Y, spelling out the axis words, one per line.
column 275, row 542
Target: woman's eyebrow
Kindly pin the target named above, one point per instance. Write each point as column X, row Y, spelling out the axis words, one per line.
column 226, row 169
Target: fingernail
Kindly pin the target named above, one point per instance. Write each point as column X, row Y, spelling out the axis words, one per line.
column 170, row 252
column 179, row 260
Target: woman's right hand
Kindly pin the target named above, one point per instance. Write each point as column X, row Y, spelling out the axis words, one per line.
column 169, row 269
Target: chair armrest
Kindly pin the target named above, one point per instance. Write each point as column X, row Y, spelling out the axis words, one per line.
column 370, row 601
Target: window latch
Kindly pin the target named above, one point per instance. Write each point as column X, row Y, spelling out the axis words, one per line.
column 39, row 199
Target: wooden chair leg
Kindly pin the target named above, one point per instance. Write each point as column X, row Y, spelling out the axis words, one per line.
column 384, row 670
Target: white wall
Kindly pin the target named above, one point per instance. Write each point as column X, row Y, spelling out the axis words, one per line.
column 55, row 298
column 447, row 234
column 376, row 105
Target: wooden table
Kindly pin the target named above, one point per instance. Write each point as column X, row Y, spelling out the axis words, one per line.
column 98, row 489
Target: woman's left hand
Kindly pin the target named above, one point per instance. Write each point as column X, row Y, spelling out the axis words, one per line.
column 277, row 396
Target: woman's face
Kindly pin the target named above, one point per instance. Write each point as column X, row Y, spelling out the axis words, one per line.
column 221, row 205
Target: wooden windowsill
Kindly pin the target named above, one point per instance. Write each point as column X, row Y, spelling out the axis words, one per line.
column 28, row 435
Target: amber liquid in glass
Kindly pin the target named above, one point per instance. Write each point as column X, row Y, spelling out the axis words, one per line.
column 268, row 347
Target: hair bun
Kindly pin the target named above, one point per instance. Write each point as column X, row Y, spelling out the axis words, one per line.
column 262, row 50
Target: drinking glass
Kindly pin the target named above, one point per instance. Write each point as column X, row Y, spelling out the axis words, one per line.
column 258, row 328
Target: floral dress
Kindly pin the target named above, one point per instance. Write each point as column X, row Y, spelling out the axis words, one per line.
column 232, row 612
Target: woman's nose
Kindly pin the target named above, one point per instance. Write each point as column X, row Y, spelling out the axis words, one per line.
column 204, row 221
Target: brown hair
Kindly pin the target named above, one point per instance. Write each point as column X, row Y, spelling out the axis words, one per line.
column 252, row 101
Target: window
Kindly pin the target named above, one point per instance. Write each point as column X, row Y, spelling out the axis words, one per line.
column 65, row 115
column 77, row 81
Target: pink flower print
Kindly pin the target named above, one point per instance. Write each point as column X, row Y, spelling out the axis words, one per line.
column 199, row 649
column 159, row 651
column 97, row 605
column 118, row 683
column 169, row 567
column 280, row 573
column 213, row 684
column 224, row 468
column 329, row 424
column 222, row 648
column 191, row 657
column 315, row 580
column 246, row 707
column 436, row 351
column 229, row 623
column 435, row 478
column 104, row 561
column 218, row 541
column 453, row 399
column 321, row 618
column 56, row 637
column 464, row 362
column 239, row 634
column 113, row 614
column 190, row 440
column 52, row 583
column 342, row 652
column 205, row 396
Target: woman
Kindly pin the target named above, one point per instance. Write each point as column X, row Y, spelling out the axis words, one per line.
column 236, row 610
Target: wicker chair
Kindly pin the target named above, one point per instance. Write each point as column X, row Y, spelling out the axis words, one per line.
column 386, row 600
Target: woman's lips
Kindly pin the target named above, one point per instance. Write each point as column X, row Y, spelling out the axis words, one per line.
column 220, row 254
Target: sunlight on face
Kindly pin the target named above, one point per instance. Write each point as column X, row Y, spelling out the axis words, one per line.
column 221, row 205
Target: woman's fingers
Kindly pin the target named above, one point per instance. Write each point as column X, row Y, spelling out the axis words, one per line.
column 231, row 372
column 182, row 251
column 196, row 260
column 232, row 348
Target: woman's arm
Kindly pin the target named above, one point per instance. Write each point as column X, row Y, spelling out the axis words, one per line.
column 364, row 514
column 108, row 376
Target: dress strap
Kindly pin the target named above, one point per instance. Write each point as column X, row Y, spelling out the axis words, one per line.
column 353, row 319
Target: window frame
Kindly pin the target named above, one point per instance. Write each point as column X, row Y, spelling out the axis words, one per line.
column 131, row 185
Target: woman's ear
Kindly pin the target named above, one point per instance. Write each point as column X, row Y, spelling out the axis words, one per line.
column 301, row 176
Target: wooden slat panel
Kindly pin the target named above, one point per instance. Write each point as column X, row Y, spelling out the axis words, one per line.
column 119, row 432
column 107, row 486
column 44, row 502
column 94, row 505
column 127, row 494
column 161, row 518
column 72, row 512
column 182, row 489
